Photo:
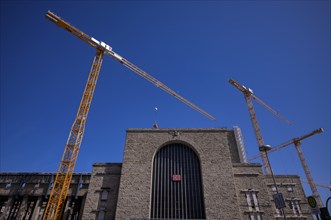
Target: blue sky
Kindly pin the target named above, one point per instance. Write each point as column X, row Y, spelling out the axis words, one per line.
column 280, row 49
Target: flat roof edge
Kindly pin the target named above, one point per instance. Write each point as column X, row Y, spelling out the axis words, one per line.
column 160, row 130
column 37, row 173
column 106, row 164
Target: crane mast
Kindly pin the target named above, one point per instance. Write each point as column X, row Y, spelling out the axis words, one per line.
column 305, row 167
column 257, row 131
column 65, row 171
column 297, row 144
column 67, row 164
column 248, row 94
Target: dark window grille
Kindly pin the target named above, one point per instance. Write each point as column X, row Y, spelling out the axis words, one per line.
column 176, row 184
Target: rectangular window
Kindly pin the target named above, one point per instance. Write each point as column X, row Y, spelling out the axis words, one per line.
column 3, row 203
column 253, row 205
column 42, row 209
column 104, row 195
column 30, row 205
column 101, row 215
column 295, row 206
column 15, row 208
column 273, row 188
column 8, row 185
column 289, row 189
column 277, row 212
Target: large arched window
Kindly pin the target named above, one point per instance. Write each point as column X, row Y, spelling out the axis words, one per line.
column 176, row 184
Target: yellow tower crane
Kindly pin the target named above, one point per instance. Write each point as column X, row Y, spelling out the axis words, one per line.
column 248, row 94
column 297, row 144
column 67, row 164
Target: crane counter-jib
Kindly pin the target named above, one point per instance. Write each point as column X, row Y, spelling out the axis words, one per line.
column 75, row 31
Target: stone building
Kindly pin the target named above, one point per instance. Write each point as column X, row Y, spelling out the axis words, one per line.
column 165, row 174
column 25, row 195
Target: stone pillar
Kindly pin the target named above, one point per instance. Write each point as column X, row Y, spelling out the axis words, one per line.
column 9, row 203
column 92, row 198
column 41, row 209
column 67, row 208
column 37, row 208
column 82, row 207
column 23, row 207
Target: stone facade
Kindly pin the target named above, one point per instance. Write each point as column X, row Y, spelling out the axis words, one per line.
column 212, row 147
column 226, row 181
column 249, row 177
column 102, row 193
column 25, row 195
column 231, row 189
column 294, row 195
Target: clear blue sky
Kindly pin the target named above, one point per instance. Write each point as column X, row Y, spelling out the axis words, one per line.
column 280, row 49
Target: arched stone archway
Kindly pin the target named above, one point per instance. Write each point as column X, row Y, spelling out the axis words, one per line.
column 177, row 190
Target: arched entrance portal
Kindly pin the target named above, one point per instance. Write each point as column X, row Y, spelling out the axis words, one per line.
column 176, row 184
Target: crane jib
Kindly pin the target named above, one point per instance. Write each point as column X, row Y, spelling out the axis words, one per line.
column 108, row 50
column 62, row 182
column 292, row 141
column 249, row 93
column 59, row 192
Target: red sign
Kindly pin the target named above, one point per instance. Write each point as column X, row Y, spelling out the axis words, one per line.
column 176, row 178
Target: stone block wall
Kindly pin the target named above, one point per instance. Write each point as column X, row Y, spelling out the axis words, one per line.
column 25, row 195
column 102, row 194
column 123, row 191
column 249, row 177
column 291, row 188
column 211, row 146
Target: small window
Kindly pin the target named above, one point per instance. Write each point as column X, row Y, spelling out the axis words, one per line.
column 290, row 189
column 3, row 202
column 2, row 209
column 253, row 205
column 104, row 195
column 8, row 185
column 101, row 215
column 296, row 208
column 277, row 212
column 273, row 188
